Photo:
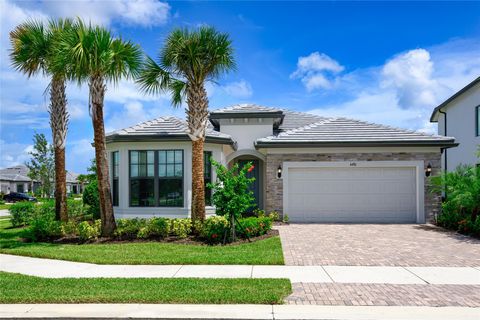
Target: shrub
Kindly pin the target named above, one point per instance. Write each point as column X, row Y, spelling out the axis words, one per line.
column 91, row 199
column 87, row 231
column 43, row 225
column 274, row 215
column 181, row 227
column 285, row 218
column 69, row 228
column 21, row 213
column 231, row 194
column 214, row 228
column 155, row 227
column 129, row 228
column 75, row 209
column 253, row 226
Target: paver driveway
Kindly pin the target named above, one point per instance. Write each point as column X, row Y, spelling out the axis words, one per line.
column 377, row 244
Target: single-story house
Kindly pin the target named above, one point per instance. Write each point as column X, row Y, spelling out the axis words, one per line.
column 313, row 168
column 459, row 116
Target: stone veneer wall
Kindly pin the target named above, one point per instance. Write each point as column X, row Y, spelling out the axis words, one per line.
column 274, row 186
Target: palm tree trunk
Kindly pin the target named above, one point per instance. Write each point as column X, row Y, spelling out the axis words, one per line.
column 197, row 117
column 97, row 94
column 58, row 123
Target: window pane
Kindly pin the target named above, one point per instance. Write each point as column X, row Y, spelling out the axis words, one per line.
column 115, row 192
column 162, row 170
column 162, row 157
column 150, row 157
column 178, row 170
column 478, row 121
column 207, row 177
column 170, row 157
column 142, row 193
column 170, row 169
column 134, row 170
column 142, row 170
column 178, row 156
column 171, row 192
column 134, row 157
column 150, row 170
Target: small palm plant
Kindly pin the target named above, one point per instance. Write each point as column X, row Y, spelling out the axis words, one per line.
column 33, row 52
column 187, row 60
column 96, row 57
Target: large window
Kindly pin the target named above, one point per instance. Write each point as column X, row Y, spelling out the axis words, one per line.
column 207, row 174
column 170, row 178
column 156, row 178
column 477, row 117
column 142, row 178
column 115, row 162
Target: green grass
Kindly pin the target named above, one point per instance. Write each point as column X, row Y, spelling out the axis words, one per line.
column 17, row 288
column 4, row 206
column 264, row 252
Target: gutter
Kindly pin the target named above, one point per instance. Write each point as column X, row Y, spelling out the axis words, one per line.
column 307, row 144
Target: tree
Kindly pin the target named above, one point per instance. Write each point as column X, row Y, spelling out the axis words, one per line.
column 33, row 52
column 42, row 165
column 187, row 60
column 96, row 57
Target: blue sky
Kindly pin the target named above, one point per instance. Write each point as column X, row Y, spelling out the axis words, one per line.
column 384, row 62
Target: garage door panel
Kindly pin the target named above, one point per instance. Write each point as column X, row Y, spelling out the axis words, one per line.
column 352, row 194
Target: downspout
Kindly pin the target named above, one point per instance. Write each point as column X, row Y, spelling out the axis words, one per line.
column 445, row 129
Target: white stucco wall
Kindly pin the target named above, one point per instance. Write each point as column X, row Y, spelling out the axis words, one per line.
column 461, row 124
column 123, row 210
column 246, row 131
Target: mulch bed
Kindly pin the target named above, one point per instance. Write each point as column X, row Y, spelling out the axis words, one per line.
column 190, row 240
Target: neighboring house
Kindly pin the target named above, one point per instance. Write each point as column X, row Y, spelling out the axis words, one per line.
column 314, row 169
column 459, row 117
column 15, row 179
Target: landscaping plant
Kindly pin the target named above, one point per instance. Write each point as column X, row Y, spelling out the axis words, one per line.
column 231, row 194
column 461, row 208
column 186, row 61
column 21, row 213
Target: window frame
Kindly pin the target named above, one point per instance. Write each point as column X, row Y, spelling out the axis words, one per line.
column 477, row 121
column 156, row 177
column 115, row 169
column 209, row 193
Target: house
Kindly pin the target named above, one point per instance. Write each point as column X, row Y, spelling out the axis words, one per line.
column 313, row 168
column 459, row 116
column 15, row 179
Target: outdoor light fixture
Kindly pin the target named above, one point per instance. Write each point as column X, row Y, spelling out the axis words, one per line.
column 279, row 172
column 428, row 171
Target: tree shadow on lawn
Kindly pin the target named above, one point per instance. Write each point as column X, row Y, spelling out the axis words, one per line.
column 449, row 233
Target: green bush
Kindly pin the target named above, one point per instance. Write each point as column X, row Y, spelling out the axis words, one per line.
column 155, row 227
column 75, row 209
column 43, row 225
column 91, row 199
column 274, row 215
column 21, row 213
column 181, row 227
column 214, row 228
column 87, row 231
column 69, row 228
column 253, row 226
column 129, row 228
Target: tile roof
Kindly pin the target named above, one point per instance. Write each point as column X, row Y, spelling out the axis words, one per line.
column 245, row 108
column 344, row 131
column 17, row 173
column 163, row 127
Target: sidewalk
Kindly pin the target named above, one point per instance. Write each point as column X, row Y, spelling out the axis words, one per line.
column 150, row 311
column 49, row 268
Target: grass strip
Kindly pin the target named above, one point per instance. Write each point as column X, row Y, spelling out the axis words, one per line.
column 16, row 288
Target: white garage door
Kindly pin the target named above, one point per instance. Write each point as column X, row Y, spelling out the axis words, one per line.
column 351, row 194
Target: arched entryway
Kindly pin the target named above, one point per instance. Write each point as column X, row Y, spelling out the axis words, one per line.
column 243, row 157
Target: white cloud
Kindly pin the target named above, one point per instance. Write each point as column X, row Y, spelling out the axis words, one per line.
column 404, row 91
column 411, row 75
column 240, row 89
column 317, row 71
column 13, row 153
column 77, row 110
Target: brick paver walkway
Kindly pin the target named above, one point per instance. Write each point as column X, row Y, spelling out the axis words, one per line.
column 384, row 295
column 377, row 244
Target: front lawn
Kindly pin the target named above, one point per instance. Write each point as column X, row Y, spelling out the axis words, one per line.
column 18, row 288
column 263, row 252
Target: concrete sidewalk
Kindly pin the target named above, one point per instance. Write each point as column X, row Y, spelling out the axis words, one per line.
column 49, row 268
column 172, row 311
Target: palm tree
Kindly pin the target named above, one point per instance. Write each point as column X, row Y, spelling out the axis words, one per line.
column 96, row 57
column 33, row 52
column 187, row 60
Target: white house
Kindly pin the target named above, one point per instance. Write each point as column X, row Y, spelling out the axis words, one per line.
column 459, row 117
column 315, row 169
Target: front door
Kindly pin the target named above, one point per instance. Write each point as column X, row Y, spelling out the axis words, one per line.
column 255, row 185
